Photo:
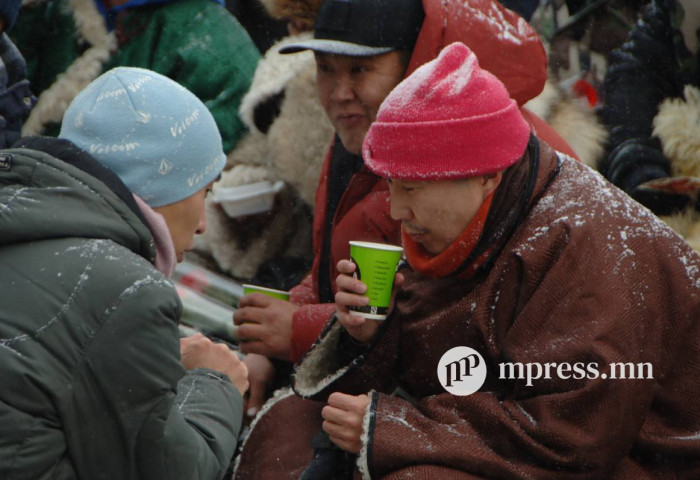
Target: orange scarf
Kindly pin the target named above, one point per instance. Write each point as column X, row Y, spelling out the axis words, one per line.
column 450, row 259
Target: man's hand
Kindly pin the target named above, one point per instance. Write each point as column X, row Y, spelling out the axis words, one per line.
column 343, row 418
column 265, row 325
column 350, row 293
column 261, row 373
column 198, row 351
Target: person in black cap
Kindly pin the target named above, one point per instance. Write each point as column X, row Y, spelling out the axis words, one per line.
column 362, row 51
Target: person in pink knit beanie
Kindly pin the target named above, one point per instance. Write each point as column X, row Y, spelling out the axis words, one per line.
column 539, row 305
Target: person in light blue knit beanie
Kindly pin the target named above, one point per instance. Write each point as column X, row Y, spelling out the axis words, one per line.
column 154, row 134
column 93, row 224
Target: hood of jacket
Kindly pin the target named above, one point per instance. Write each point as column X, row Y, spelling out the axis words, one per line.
column 505, row 44
column 43, row 197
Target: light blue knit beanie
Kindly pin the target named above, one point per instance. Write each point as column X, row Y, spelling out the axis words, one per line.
column 153, row 133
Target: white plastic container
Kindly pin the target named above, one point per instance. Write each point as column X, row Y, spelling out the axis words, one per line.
column 247, row 199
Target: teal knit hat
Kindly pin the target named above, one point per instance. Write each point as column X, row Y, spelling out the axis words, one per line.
column 154, row 134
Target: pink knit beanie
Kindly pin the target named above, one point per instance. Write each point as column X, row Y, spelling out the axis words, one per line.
column 449, row 119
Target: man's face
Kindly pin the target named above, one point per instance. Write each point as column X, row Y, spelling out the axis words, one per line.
column 435, row 213
column 352, row 88
column 185, row 219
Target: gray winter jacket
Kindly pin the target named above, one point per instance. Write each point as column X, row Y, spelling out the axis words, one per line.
column 91, row 384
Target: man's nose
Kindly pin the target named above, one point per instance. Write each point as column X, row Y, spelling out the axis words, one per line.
column 399, row 210
column 343, row 90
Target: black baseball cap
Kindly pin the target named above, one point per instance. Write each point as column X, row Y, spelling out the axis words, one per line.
column 362, row 28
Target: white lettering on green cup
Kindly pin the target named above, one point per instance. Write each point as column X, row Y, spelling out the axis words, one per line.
column 375, row 266
column 270, row 292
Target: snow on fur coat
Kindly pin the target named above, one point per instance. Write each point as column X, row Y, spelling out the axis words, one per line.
column 588, row 276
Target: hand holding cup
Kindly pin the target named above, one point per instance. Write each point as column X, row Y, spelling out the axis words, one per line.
column 351, row 294
column 264, row 318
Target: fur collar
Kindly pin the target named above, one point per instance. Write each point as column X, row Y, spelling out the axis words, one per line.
column 321, row 365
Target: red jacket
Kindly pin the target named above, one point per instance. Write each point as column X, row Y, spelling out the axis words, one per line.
column 509, row 48
column 362, row 214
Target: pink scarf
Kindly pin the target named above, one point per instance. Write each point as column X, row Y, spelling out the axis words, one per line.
column 165, row 250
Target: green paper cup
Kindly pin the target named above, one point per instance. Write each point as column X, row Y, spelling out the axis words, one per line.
column 376, row 266
column 270, row 292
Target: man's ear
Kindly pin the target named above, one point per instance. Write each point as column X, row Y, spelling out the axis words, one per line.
column 491, row 181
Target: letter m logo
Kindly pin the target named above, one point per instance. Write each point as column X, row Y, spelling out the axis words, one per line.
column 461, row 368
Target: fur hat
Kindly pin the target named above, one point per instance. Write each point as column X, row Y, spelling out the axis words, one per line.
column 158, row 137
column 449, row 119
column 305, row 10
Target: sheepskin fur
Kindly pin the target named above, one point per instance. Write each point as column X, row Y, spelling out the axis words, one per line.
column 686, row 224
column 321, row 366
column 363, row 459
column 677, row 125
column 292, row 151
column 240, row 245
column 53, row 102
column 296, row 143
column 573, row 120
column 297, row 148
column 273, row 72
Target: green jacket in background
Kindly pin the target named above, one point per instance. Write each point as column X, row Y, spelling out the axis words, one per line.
column 92, row 386
column 197, row 43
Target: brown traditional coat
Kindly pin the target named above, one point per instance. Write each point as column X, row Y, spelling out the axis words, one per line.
column 587, row 276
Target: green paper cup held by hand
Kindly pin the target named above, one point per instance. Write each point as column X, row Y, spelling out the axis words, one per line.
column 375, row 266
column 270, row 292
